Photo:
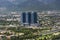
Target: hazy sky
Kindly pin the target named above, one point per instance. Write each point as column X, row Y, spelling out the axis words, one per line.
column 25, row 0
column 16, row 0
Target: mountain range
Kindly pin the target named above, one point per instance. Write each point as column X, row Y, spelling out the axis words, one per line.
column 25, row 5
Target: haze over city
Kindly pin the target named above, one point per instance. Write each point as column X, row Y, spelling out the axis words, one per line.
column 24, row 5
column 29, row 19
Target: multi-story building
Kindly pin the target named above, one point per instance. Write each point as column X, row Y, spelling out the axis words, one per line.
column 29, row 18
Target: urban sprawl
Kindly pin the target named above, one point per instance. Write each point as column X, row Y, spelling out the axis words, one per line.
column 30, row 25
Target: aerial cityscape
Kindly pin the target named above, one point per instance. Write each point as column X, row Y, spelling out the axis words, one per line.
column 29, row 19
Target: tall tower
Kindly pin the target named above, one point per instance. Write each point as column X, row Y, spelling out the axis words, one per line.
column 24, row 17
column 35, row 17
column 29, row 18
